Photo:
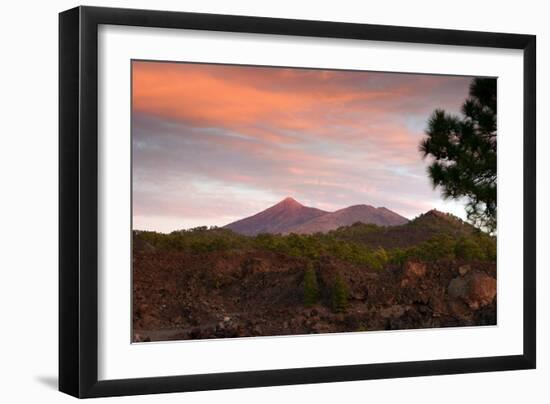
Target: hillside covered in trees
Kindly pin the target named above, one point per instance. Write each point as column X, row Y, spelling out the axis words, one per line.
column 433, row 271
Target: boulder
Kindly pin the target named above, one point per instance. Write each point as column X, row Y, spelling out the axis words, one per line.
column 460, row 311
column 483, row 289
column 458, row 288
column 394, row 311
column 414, row 270
column 476, row 289
column 358, row 295
column 463, row 269
column 437, row 303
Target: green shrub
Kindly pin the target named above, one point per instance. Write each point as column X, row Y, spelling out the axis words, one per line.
column 468, row 249
column 397, row 256
column 340, row 294
column 311, row 287
column 348, row 244
column 488, row 244
column 380, row 258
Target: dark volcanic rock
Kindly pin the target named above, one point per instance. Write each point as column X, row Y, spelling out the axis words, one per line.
column 225, row 295
column 414, row 270
column 477, row 289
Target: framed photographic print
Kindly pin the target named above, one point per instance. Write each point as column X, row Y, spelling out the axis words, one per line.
column 250, row 201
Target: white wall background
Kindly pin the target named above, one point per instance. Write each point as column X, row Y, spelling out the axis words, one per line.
column 28, row 199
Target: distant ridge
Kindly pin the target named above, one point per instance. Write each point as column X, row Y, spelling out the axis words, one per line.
column 423, row 228
column 290, row 216
column 346, row 217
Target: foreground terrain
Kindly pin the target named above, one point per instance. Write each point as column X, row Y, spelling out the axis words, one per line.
column 434, row 271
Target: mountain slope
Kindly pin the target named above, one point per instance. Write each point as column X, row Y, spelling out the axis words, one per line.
column 276, row 219
column 418, row 230
column 290, row 216
column 348, row 216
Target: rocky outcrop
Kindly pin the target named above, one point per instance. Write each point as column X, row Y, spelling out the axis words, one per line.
column 476, row 289
column 414, row 270
column 218, row 295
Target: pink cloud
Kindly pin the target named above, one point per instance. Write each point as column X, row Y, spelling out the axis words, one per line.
column 329, row 138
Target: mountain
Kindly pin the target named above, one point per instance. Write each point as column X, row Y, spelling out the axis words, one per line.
column 276, row 219
column 290, row 216
column 348, row 216
column 422, row 228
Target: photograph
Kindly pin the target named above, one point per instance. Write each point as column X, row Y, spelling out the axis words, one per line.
column 276, row 201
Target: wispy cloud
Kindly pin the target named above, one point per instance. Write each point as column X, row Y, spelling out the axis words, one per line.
column 214, row 143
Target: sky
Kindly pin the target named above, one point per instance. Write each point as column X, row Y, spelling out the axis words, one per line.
column 212, row 144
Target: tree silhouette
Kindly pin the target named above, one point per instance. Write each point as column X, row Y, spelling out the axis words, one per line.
column 464, row 153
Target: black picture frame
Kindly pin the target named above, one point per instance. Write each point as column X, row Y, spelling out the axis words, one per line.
column 78, row 201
